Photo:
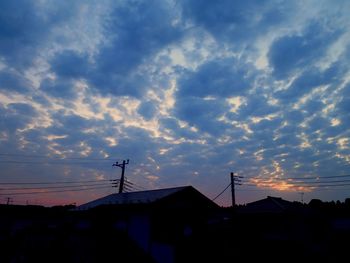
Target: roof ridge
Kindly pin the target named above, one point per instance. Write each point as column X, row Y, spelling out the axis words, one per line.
column 147, row 196
column 278, row 203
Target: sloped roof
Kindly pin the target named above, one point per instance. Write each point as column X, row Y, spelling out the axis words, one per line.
column 270, row 205
column 140, row 197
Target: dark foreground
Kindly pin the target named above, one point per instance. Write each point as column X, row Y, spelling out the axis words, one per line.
column 317, row 232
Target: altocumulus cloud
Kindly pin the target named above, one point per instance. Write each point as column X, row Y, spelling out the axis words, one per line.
column 188, row 90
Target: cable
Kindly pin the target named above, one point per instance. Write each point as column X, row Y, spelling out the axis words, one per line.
column 49, row 187
column 305, row 178
column 56, row 191
column 46, row 162
column 269, row 185
column 59, row 158
column 253, row 190
column 63, row 182
column 322, row 189
column 134, row 186
column 327, row 185
column 324, row 182
column 221, row 193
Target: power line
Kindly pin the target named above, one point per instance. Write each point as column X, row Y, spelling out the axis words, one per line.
column 134, row 186
column 304, row 178
column 58, row 162
column 57, row 182
column 56, row 157
column 322, row 189
column 321, row 182
column 325, row 185
column 45, row 160
column 56, row 191
column 299, row 184
column 253, row 190
column 221, row 192
column 50, row 187
column 269, row 185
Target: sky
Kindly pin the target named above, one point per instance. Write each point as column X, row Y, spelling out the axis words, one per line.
column 187, row 90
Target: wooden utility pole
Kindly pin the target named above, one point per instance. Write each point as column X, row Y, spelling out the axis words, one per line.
column 9, row 200
column 121, row 181
column 302, row 197
column 235, row 180
column 233, row 190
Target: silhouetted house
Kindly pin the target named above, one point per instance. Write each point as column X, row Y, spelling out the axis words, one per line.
column 159, row 221
column 269, row 205
column 185, row 197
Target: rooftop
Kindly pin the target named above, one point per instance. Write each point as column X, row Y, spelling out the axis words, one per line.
column 140, row 197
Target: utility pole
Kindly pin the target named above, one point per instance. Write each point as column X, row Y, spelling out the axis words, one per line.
column 121, row 181
column 302, row 197
column 9, row 200
column 235, row 180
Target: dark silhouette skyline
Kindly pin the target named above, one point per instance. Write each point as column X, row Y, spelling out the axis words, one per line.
column 188, row 90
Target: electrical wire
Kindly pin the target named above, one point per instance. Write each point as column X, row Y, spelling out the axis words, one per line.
column 221, row 192
column 50, row 187
column 55, row 191
column 59, row 158
column 57, row 182
column 58, row 162
column 320, row 182
column 269, row 185
column 304, row 178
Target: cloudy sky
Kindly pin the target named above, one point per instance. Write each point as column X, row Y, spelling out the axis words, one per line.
column 188, row 90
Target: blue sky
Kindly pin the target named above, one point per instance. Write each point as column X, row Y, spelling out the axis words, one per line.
column 188, row 90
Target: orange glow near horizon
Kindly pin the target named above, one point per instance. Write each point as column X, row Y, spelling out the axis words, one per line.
column 280, row 185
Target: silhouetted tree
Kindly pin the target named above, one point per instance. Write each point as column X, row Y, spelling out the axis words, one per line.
column 316, row 203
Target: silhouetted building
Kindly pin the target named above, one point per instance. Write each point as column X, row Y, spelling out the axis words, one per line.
column 270, row 205
column 159, row 221
column 177, row 197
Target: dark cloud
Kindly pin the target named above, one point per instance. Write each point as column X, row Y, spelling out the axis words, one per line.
column 288, row 139
column 147, row 109
column 133, row 84
column 24, row 28
column 201, row 94
column 68, row 121
column 236, row 20
column 293, row 117
column 266, row 125
column 70, row 64
column 256, row 106
column 332, row 131
column 136, row 30
column 75, row 134
column 343, row 107
column 307, row 81
column 21, row 29
column 218, row 78
column 291, row 53
column 13, row 81
column 16, row 116
column 172, row 125
column 202, row 113
column 317, row 123
column 135, row 144
column 313, row 106
column 59, row 88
